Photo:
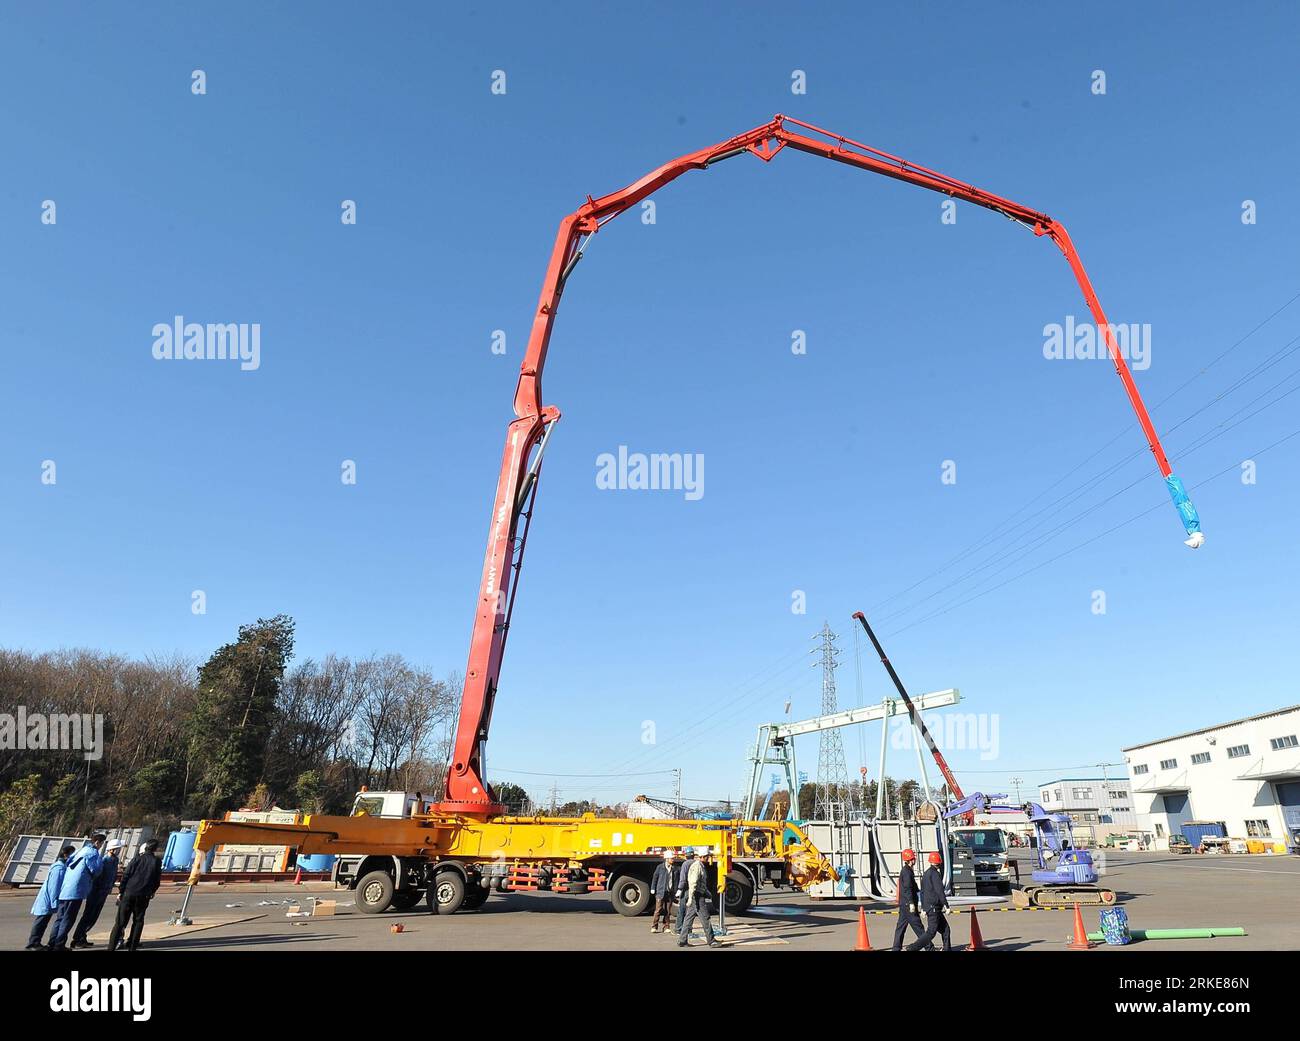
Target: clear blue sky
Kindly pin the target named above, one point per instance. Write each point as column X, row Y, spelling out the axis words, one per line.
column 822, row 471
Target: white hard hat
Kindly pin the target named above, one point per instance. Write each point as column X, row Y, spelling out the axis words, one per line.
column 115, row 844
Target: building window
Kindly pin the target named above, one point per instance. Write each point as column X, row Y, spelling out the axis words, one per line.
column 1258, row 829
column 1090, row 817
column 1058, row 794
column 1140, row 769
column 1160, row 830
column 1117, row 795
column 1047, row 796
column 1200, row 758
column 1170, row 764
column 1279, row 743
column 1237, row 751
column 1118, row 808
column 1081, row 794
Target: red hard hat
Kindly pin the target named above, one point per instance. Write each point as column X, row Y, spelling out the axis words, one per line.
column 935, row 859
column 909, row 855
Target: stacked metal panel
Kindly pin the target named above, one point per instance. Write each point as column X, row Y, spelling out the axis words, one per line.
column 33, row 854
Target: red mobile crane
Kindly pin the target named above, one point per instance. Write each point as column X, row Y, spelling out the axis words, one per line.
column 467, row 790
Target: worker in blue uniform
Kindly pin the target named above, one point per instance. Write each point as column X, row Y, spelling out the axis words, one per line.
column 83, row 867
column 909, row 901
column 933, row 901
column 100, row 891
column 46, row 905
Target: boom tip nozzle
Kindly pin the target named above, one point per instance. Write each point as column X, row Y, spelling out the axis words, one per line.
column 1196, row 540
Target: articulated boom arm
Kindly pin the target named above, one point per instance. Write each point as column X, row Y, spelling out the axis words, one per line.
column 526, row 435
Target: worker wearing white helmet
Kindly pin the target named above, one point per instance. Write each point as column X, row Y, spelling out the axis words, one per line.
column 663, row 888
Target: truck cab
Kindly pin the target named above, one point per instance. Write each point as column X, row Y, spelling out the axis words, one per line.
column 988, row 846
column 387, row 804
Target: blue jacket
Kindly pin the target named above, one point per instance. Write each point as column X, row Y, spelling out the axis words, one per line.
column 47, row 900
column 83, row 866
column 103, row 887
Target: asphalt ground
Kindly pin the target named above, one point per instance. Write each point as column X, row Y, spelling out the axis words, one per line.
column 1159, row 890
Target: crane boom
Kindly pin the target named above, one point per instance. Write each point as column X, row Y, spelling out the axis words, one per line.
column 917, row 721
column 467, row 790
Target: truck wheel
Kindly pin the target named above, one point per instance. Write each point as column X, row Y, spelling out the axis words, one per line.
column 446, row 894
column 630, row 895
column 740, row 893
column 375, row 892
column 406, row 899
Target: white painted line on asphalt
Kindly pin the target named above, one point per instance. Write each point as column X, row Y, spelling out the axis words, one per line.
column 1252, row 870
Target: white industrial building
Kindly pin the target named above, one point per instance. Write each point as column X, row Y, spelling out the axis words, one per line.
column 1096, row 806
column 1244, row 774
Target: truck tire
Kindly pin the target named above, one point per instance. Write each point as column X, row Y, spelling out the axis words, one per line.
column 375, row 892
column 406, row 899
column 740, row 892
column 630, row 895
column 446, row 893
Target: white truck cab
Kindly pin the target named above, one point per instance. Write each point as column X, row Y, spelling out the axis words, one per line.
column 387, row 804
column 989, row 846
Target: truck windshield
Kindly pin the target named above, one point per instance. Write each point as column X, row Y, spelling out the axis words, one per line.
column 990, row 840
column 374, row 806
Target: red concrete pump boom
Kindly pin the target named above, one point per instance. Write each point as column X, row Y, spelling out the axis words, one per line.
column 467, row 790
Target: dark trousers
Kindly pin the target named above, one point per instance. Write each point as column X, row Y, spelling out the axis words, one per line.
column 697, row 908
column 681, row 911
column 37, row 935
column 934, row 923
column 663, row 908
column 132, row 909
column 906, row 918
column 94, row 905
column 63, row 923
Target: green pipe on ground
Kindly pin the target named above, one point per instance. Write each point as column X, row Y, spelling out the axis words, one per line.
column 1177, row 934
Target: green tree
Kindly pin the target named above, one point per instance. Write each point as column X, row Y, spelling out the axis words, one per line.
column 155, row 787
column 235, row 708
column 514, row 797
column 310, row 792
column 909, row 793
column 20, row 806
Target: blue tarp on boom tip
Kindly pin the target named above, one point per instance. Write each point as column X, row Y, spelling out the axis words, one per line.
column 1191, row 520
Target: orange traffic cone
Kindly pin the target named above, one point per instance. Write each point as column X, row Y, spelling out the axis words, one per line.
column 864, row 940
column 1080, row 942
column 976, row 937
column 297, row 879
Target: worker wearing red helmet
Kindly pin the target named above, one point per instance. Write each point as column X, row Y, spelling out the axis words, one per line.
column 934, row 900
column 908, row 901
